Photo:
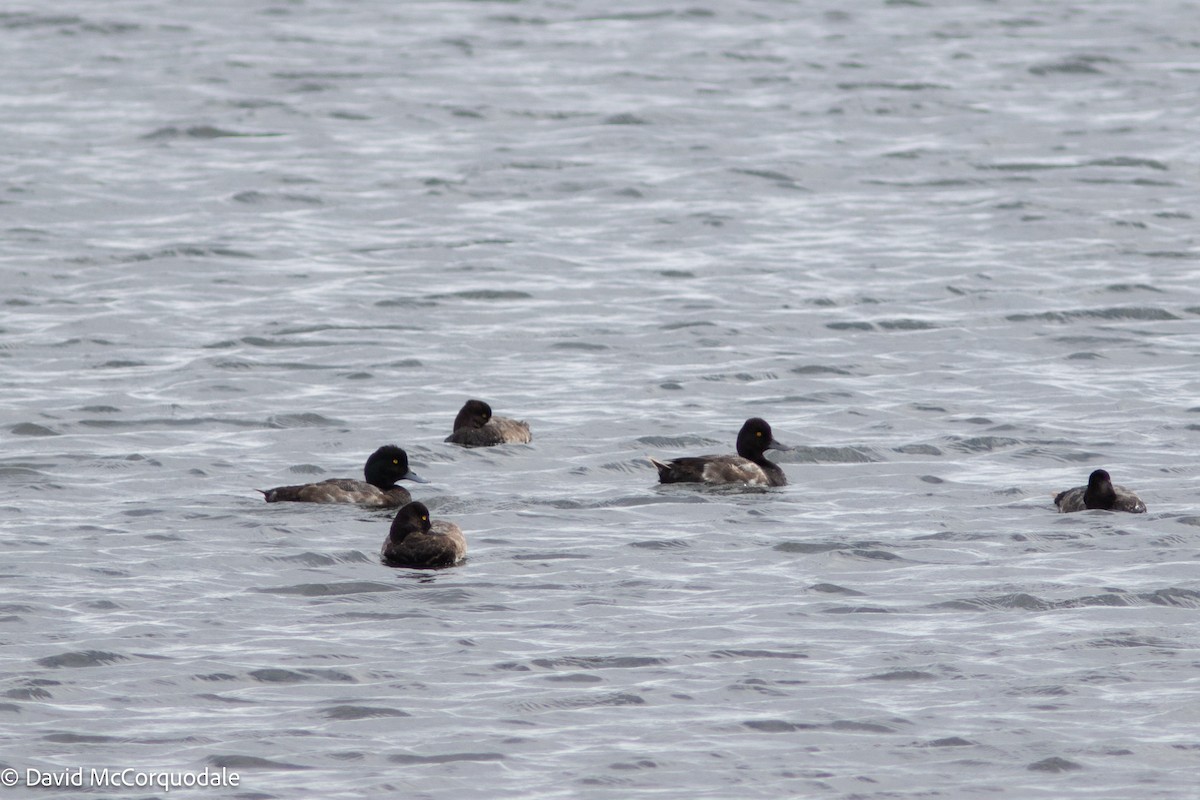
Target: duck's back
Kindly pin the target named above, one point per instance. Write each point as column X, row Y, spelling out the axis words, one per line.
column 1073, row 500
column 718, row 469
column 443, row 546
column 340, row 490
column 497, row 430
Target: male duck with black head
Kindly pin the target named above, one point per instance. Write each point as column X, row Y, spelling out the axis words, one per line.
column 385, row 466
column 749, row 466
column 476, row 427
column 1101, row 493
column 418, row 542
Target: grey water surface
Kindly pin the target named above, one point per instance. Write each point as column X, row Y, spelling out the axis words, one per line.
column 948, row 250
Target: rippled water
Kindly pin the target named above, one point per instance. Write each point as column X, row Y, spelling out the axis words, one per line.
column 947, row 250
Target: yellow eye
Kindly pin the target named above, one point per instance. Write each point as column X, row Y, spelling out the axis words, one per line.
column 424, row 518
column 758, row 434
column 395, row 461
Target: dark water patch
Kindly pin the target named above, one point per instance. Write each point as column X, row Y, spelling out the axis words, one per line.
column 238, row 701
column 1053, row 764
column 819, row 369
column 17, row 471
column 121, row 363
column 330, row 589
column 483, row 295
column 574, row 677
column 258, row 198
column 643, row 763
column 172, row 422
column 352, row 712
column 599, row 662
column 548, row 557
column 1142, row 314
column 802, row 454
column 740, row 377
column 661, row 544
column 856, row 610
column 1132, row 287
column 276, row 675
column 918, row 450
column 81, row 658
column 447, row 758
column 67, row 737
column 29, row 693
column 1180, row 598
column 949, row 741
column 982, row 444
column 1134, row 641
column 898, row 86
column 590, row 347
column 906, row 325
column 860, row 727
column 874, row 555
column 585, row 701
column 902, row 675
column 1015, row 600
column 934, row 479
column 310, row 559
column 303, row 420
column 405, row 302
column 10, row 708
column 778, row 178
column 778, row 726
column 675, row 326
column 625, row 118
column 31, row 429
column 850, row 326
column 1074, row 65
column 832, row 588
column 810, row 547
column 201, row 132
column 236, row 763
column 755, row 654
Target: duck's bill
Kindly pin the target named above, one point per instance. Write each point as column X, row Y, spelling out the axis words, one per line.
column 414, row 477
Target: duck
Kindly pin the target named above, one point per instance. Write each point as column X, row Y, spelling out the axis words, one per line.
column 1100, row 492
column 416, row 541
column 384, row 467
column 749, row 466
column 476, row 427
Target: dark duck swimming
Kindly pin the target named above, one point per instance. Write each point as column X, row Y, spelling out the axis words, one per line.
column 384, row 467
column 1100, row 492
column 416, row 541
column 476, row 427
column 749, row 466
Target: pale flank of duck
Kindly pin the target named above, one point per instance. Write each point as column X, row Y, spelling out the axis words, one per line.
column 749, row 466
column 476, row 427
column 384, row 467
column 1100, row 493
column 417, row 542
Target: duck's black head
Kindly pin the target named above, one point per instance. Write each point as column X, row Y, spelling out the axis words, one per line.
column 755, row 438
column 474, row 414
column 412, row 518
column 1100, row 492
column 387, row 465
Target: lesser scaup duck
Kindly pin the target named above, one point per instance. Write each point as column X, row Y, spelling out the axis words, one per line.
column 416, row 541
column 476, row 427
column 750, row 465
column 1099, row 493
column 385, row 466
